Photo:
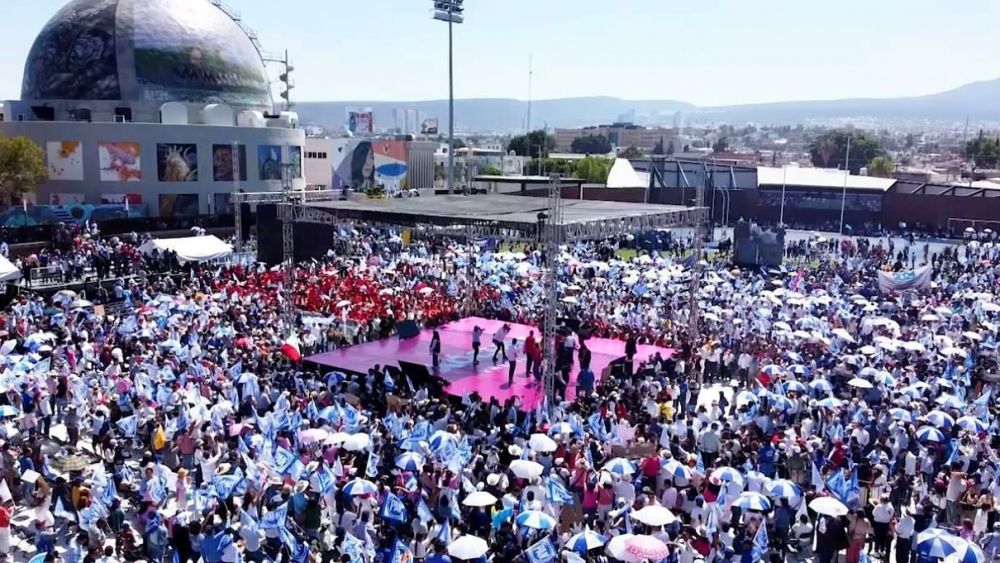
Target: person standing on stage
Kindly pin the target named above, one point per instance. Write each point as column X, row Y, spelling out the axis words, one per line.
column 435, row 348
column 498, row 337
column 532, row 353
column 513, row 361
column 477, row 334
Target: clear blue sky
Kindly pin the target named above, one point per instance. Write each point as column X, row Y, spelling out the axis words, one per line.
column 707, row 52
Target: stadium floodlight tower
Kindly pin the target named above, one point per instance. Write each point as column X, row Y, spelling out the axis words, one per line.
column 450, row 11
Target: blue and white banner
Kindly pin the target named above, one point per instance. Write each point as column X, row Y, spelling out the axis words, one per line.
column 905, row 279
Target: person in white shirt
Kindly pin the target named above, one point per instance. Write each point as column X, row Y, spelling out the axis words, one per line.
column 515, row 350
column 882, row 516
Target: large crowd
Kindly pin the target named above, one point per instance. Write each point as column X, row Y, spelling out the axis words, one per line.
column 815, row 417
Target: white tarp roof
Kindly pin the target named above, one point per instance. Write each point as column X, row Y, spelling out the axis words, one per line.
column 819, row 178
column 8, row 271
column 190, row 249
column 622, row 175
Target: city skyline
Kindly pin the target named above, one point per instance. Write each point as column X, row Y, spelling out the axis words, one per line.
column 711, row 53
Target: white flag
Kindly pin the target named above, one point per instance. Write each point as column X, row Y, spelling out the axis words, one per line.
column 5, row 491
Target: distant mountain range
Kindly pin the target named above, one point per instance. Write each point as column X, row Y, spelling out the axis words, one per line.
column 978, row 101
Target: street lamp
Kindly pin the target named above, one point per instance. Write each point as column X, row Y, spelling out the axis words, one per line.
column 450, row 11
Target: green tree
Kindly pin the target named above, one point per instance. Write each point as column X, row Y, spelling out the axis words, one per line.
column 631, row 153
column 534, row 144
column 722, row 145
column 881, row 167
column 593, row 169
column 22, row 167
column 490, row 170
column 830, row 150
column 440, row 171
column 983, row 151
column 591, row 144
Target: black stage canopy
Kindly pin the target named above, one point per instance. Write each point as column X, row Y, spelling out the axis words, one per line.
column 508, row 216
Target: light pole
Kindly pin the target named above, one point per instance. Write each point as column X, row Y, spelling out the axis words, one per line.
column 450, row 11
column 847, row 175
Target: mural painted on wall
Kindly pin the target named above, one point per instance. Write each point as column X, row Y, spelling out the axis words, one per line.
column 172, row 205
column 78, row 213
column 177, row 162
column 65, row 159
column 390, row 164
column 120, row 162
column 66, row 199
column 353, row 163
column 192, row 51
column 295, row 157
column 269, row 162
column 74, row 57
column 121, row 199
column 224, row 165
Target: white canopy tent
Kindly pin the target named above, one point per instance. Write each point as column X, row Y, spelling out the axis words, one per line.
column 622, row 175
column 190, row 249
column 8, row 271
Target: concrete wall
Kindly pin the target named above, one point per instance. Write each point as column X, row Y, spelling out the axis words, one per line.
column 146, row 183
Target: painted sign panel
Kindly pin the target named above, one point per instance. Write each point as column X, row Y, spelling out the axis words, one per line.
column 120, row 161
column 177, row 162
column 65, row 160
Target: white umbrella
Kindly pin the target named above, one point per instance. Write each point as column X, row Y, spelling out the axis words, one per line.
column 358, row 442
column 655, row 515
column 526, row 469
column 860, row 383
column 542, row 443
column 480, row 498
column 828, row 506
column 468, row 547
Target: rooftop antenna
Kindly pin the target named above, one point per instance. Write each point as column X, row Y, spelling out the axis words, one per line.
column 530, row 75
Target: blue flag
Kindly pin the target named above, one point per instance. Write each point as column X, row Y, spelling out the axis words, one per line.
column 236, row 370
column 444, row 533
column 424, row 513
column 558, row 493
column 401, row 553
column 394, row 510
column 371, row 470
column 283, row 460
column 502, row 516
column 301, row 553
column 761, row 543
column 542, row 552
column 40, row 558
column 275, row 519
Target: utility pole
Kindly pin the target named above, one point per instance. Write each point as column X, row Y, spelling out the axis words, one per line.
column 847, row 174
column 450, row 11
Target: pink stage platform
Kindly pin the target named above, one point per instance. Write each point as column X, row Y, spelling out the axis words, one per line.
column 489, row 379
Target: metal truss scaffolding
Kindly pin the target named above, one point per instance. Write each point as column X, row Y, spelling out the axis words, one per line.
column 552, row 225
column 550, row 237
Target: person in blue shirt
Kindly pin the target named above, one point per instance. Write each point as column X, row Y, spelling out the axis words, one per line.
column 585, row 382
column 440, row 554
column 766, row 460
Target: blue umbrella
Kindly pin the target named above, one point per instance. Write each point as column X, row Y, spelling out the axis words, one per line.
column 821, row 385
column 936, row 542
column 783, row 488
column 329, row 413
column 940, row 419
column 794, row 356
column 752, row 501
column 7, row 410
column 829, row 403
column 585, row 541
column 729, row 475
column 901, row 414
column 951, row 402
column 929, row 434
column 676, row 469
column 967, row 552
column 796, row 386
column 620, row 466
column 535, row 519
column 971, row 424
column 779, row 402
column 358, row 487
column 413, row 445
column 772, row 370
column 410, row 461
column 439, row 438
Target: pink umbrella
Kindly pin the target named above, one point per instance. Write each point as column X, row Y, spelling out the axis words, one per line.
column 313, row 435
column 646, row 547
